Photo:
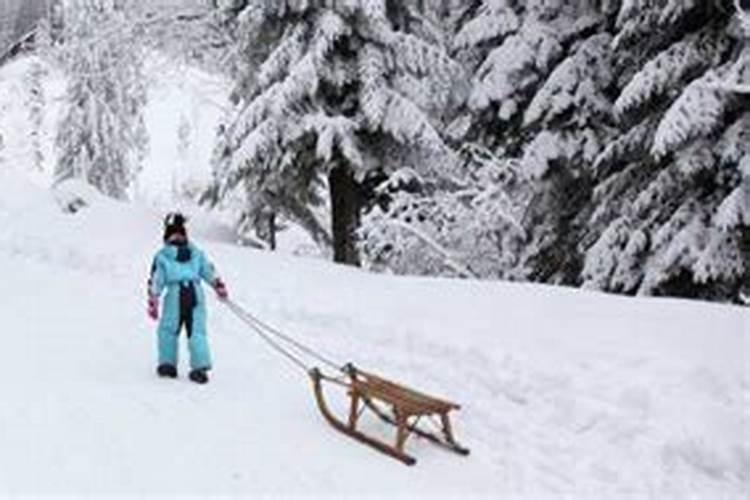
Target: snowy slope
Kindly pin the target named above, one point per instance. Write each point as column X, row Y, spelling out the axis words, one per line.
column 565, row 393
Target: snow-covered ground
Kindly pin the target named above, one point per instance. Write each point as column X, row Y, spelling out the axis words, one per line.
column 565, row 393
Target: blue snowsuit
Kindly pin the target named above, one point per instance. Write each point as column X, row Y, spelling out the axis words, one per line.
column 180, row 270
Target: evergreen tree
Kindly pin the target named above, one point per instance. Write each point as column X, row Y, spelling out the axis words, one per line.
column 542, row 93
column 670, row 209
column 36, row 103
column 622, row 120
column 102, row 137
column 329, row 93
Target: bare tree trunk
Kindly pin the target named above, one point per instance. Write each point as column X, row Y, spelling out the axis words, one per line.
column 272, row 230
column 745, row 250
column 345, row 214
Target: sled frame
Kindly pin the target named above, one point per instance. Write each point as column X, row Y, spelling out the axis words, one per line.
column 407, row 407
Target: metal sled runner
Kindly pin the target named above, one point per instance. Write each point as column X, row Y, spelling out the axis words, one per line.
column 408, row 407
column 392, row 403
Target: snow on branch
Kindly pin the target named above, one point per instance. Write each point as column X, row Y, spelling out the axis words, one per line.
column 721, row 258
column 372, row 68
column 630, row 146
column 414, row 55
column 389, row 111
column 475, row 226
column 264, row 140
column 697, row 112
column 301, row 81
column 734, row 211
column 286, row 53
column 517, row 65
column 674, row 10
column 495, row 19
column 643, row 18
column 461, row 269
column 676, row 246
column 661, row 74
column 408, row 124
column 333, row 132
column 578, row 83
column 735, row 142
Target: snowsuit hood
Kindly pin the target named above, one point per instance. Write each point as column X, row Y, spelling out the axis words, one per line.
column 174, row 223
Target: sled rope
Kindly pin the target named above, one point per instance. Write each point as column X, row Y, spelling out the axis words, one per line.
column 272, row 336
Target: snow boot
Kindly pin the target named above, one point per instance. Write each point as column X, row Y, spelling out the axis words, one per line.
column 168, row 371
column 199, row 376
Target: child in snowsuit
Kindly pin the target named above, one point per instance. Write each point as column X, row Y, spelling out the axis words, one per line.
column 179, row 267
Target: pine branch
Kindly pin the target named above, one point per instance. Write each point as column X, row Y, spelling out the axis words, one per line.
column 461, row 269
column 577, row 83
column 289, row 51
column 630, row 146
column 697, row 112
column 669, row 68
column 494, row 20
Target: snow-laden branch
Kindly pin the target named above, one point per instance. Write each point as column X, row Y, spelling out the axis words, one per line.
column 736, row 88
column 9, row 50
column 449, row 260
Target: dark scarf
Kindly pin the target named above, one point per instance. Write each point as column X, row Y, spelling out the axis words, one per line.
column 188, row 298
column 183, row 252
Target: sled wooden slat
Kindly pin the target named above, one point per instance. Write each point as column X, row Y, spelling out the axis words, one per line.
column 406, row 399
column 407, row 407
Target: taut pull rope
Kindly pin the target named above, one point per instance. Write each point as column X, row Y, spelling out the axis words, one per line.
column 272, row 336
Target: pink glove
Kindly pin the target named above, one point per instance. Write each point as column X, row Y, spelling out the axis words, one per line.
column 153, row 307
column 221, row 289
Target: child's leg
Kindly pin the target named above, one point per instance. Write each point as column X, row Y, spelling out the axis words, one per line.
column 169, row 332
column 168, row 336
column 200, row 354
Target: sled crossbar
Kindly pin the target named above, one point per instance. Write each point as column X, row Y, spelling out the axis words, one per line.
column 407, row 407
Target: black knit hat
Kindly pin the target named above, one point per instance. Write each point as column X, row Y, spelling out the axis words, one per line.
column 174, row 223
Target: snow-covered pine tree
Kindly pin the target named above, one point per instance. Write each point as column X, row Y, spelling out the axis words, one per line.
column 331, row 92
column 36, row 103
column 511, row 48
column 670, row 208
column 555, row 128
column 542, row 92
column 102, row 137
column 568, row 124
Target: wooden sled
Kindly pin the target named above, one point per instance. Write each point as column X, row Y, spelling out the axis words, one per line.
column 407, row 408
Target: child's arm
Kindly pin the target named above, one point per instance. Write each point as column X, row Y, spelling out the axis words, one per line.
column 156, row 280
column 209, row 275
column 155, row 288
